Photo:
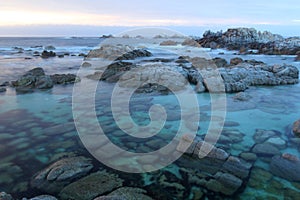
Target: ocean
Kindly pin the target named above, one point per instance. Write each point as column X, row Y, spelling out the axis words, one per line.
column 26, row 148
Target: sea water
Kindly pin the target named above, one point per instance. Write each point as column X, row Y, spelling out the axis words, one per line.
column 25, row 150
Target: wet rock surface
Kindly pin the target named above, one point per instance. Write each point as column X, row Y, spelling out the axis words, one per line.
column 37, row 79
column 91, row 186
column 220, row 171
column 286, row 166
column 61, row 173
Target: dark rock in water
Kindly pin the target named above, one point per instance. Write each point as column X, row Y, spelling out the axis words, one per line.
column 262, row 135
column 220, row 62
column 190, row 42
column 242, row 96
column 5, row 196
column 265, row 150
column 64, row 78
column 218, row 171
column 248, row 40
column 37, row 79
column 286, row 166
column 91, row 186
column 137, row 53
column 59, row 129
column 6, row 83
column 63, row 172
column 50, row 48
column 86, row 64
column 296, row 128
column 48, row 54
column 235, row 61
column 248, row 156
column 42, row 197
column 115, row 70
column 225, row 183
column 2, row 89
column 124, row 193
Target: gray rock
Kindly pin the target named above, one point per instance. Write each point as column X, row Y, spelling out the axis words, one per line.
column 64, row 78
column 261, row 135
column 126, row 193
column 286, row 166
column 5, row 196
column 44, row 197
column 277, row 142
column 225, row 183
column 168, row 43
column 61, row 173
column 242, row 96
column 265, row 149
column 86, row 64
column 91, row 186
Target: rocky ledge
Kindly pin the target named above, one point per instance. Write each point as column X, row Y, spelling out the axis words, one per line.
column 218, row 171
column 37, row 79
column 216, row 75
column 248, row 39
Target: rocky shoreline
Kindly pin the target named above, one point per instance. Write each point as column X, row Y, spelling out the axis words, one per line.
column 251, row 41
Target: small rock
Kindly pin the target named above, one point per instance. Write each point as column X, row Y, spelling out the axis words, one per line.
column 248, row 156
column 86, row 64
column 242, row 96
column 262, row 135
column 296, row 128
column 48, row 54
column 190, row 42
column 168, row 43
column 277, row 142
column 235, row 61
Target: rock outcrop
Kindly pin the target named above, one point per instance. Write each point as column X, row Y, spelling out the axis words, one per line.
column 218, row 171
column 37, row 79
column 61, row 173
column 248, row 39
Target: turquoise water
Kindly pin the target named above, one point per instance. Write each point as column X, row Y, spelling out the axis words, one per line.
column 25, row 149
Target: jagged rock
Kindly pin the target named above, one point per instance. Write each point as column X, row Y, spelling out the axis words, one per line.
column 61, row 173
column 286, row 166
column 37, row 79
column 168, row 43
column 91, row 186
column 137, row 53
column 126, row 193
column 249, row 40
column 64, row 78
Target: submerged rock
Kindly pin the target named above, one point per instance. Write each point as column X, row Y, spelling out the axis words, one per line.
column 265, row 149
column 296, row 128
column 91, row 186
column 61, row 173
column 286, row 166
column 126, row 193
column 43, row 197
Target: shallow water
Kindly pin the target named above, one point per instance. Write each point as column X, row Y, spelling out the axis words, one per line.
column 24, row 149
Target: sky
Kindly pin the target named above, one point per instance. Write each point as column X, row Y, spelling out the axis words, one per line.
column 90, row 17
